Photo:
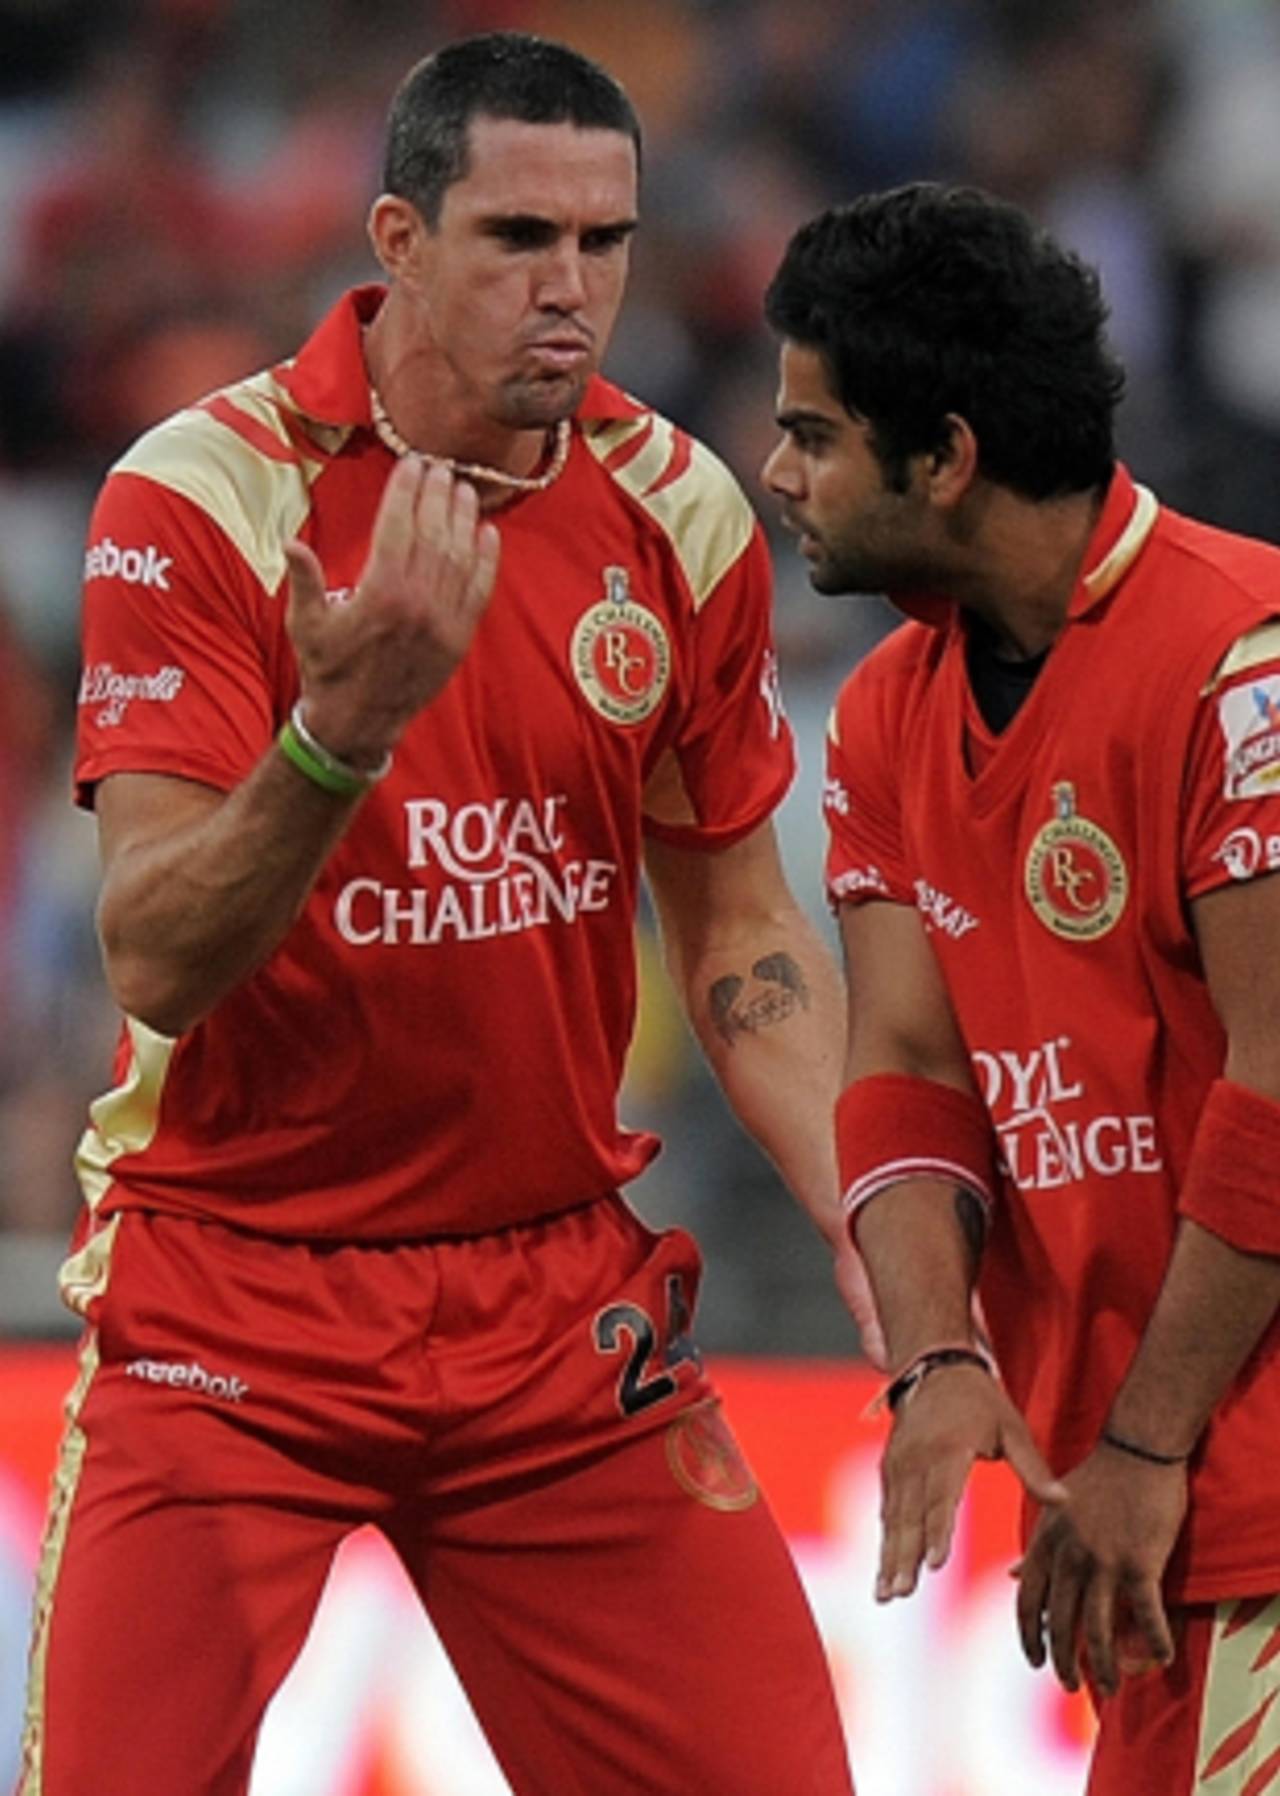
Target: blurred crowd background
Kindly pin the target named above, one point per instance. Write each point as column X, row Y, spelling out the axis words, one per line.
column 183, row 185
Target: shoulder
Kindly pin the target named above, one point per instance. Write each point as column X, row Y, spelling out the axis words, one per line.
column 1214, row 572
column 877, row 700
column 897, row 664
column 682, row 488
column 242, row 463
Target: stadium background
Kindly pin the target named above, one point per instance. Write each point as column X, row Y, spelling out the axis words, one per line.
column 182, row 189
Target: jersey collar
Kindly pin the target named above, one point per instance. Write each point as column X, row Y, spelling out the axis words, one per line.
column 1124, row 524
column 329, row 383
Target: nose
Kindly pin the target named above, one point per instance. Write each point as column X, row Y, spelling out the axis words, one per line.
column 562, row 286
column 781, row 472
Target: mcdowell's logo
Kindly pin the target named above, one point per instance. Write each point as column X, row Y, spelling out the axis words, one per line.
column 1075, row 880
column 619, row 653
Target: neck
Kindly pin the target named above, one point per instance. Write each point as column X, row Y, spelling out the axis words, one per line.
column 1023, row 562
column 418, row 407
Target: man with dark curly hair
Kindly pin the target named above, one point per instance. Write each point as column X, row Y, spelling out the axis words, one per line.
column 1054, row 809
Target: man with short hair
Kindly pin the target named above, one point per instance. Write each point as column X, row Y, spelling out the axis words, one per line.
column 406, row 650
column 1054, row 808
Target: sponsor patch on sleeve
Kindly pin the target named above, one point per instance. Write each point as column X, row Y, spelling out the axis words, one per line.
column 1250, row 717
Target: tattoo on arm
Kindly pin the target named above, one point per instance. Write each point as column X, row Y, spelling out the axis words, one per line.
column 973, row 1224
column 783, row 992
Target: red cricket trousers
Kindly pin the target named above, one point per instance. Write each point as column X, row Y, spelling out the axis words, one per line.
column 526, row 1419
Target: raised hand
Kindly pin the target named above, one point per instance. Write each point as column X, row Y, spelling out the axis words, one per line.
column 369, row 665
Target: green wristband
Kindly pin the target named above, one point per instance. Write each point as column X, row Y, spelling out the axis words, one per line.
column 298, row 745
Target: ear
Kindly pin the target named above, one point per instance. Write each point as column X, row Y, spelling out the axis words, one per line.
column 952, row 468
column 398, row 235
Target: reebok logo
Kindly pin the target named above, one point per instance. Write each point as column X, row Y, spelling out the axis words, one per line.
column 191, row 1377
column 136, row 567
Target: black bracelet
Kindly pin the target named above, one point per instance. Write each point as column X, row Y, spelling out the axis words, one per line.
column 920, row 1368
column 1133, row 1448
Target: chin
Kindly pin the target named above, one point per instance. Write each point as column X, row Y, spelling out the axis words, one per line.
column 544, row 402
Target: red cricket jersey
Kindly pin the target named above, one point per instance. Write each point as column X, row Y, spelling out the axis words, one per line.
column 436, row 1046
column 1052, row 865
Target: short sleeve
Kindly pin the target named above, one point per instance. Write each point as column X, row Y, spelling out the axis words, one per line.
column 865, row 857
column 733, row 759
column 175, row 673
column 1231, row 819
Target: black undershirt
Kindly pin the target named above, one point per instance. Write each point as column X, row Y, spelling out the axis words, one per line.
column 999, row 686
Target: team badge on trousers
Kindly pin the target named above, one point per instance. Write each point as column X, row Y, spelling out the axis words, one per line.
column 620, row 654
column 1075, row 880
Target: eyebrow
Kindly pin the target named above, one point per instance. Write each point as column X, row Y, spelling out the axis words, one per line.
column 799, row 418
column 498, row 222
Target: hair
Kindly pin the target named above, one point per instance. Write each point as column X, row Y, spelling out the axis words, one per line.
column 498, row 75
column 928, row 300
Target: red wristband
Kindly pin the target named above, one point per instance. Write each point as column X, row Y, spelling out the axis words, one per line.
column 1232, row 1184
column 891, row 1127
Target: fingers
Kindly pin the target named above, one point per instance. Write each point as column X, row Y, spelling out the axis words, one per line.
column 1099, row 1630
column 394, row 528
column 902, row 1539
column 1148, row 1610
column 1020, row 1450
column 1033, row 1585
column 306, row 578
column 484, row 569
column 1051, row 1588
column 919, row 1517
column 1066, row 1594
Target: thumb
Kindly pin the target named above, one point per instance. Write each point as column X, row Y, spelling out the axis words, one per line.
column 1021, row 1453
column 306, row 579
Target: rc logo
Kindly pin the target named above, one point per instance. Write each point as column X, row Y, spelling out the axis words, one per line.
column 1075, row 878
column 136, row 567
column 619, row 653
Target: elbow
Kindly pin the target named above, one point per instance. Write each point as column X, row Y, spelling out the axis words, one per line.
column 148, row 991
column 150, row 1001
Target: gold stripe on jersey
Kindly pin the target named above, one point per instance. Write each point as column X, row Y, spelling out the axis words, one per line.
column 1125, row 549
column 686, row 489
column 124, row 1119
column 1249, row 650
column 66, row 1478
column 259, row 500
column 1239, row 1750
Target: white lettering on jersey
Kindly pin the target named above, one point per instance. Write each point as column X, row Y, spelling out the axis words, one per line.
column 942, row 912
column 1043, row 1150
column 136, row 567
column 100, row 684
column 859, row 879
column 771, row 691
column 1244, row 853
column 1250, row 719
column 191, row 1377
column 505, row 868
column 835, row 796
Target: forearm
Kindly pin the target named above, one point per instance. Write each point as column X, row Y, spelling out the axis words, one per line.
column 769, row 1015
column 920, row 1242
column 187, row 913
column 1214, row 1306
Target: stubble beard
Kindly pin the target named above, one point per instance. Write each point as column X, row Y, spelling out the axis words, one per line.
column 525, row 404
